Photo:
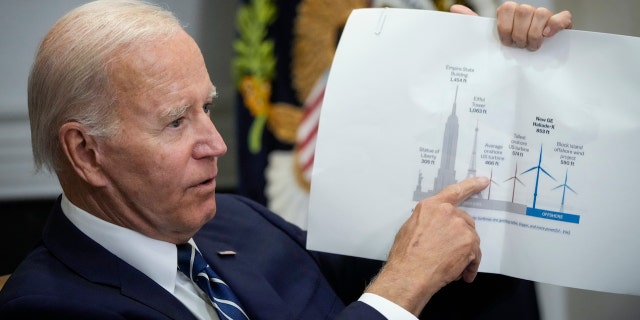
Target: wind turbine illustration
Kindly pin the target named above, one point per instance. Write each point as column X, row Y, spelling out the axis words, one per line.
column 514, row 178
column 538, row 168
column 564, row 186
column 491, row 182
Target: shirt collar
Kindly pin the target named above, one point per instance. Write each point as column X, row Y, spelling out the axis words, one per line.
column 155, row 258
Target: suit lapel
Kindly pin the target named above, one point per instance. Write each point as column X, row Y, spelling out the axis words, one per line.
column 96, row 264
column 138, row 286
column 257, row 296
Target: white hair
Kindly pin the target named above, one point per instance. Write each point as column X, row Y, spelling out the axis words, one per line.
column 70, row 77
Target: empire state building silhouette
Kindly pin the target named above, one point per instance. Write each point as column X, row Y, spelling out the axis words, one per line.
column 447, row 171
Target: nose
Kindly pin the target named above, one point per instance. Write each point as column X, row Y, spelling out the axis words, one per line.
column 210, row 142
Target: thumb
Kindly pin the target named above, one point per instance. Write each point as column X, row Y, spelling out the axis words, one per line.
column 460, row 9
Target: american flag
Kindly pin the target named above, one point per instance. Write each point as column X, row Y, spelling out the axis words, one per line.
column 308, row 130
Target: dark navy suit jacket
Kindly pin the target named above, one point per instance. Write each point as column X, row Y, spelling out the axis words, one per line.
column 69, row 276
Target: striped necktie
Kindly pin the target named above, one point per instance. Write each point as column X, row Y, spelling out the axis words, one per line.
column 192, row 264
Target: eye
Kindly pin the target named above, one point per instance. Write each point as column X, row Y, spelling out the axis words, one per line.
column 176, row 123
column 207, row 107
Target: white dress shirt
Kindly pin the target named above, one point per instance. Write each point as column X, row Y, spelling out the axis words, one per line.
column 158, row 260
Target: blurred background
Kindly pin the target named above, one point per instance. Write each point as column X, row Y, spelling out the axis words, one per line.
column 266, row 114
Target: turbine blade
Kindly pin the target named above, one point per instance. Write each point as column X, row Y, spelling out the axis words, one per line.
column 547, row 173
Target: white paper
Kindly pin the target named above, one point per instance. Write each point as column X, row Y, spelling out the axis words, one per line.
column 571, row 108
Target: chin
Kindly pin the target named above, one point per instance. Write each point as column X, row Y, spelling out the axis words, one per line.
column 190, row 228
column 193, row 217
column 209, row 211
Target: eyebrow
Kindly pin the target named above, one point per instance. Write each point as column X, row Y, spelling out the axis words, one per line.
column 179, row 111
column 174, row 113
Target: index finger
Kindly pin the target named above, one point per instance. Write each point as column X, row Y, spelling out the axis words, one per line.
column 459, row 192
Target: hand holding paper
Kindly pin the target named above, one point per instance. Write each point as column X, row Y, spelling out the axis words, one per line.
column 524, row 26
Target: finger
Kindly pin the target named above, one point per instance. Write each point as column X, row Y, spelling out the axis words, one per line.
column 471, row 271
column 557, row 22
column 460, row 9
column 504, row 16
column 457, row 193
column 475, row 256
column 538, row 24
column 521, row 23
column 467, row 218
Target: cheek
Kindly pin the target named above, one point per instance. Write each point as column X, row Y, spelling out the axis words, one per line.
column 167, row 166
column 147, row 165
column 130, row 163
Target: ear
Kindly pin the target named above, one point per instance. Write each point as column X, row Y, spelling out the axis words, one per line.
column 82, row 152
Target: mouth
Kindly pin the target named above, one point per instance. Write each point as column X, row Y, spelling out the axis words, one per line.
column 207, row 183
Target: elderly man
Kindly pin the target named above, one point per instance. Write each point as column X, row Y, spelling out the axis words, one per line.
column 119, row 104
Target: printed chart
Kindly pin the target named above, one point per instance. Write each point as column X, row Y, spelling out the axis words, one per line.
column 418, row 100
column 498, row 160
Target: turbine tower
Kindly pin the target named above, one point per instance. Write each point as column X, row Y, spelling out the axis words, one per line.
column 538, row 168
column 564, row 187
column 472, row 163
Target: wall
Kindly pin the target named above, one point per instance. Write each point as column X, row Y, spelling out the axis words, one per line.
column 615, row 16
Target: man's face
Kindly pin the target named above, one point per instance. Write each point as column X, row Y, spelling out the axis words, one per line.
column 162, row 164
